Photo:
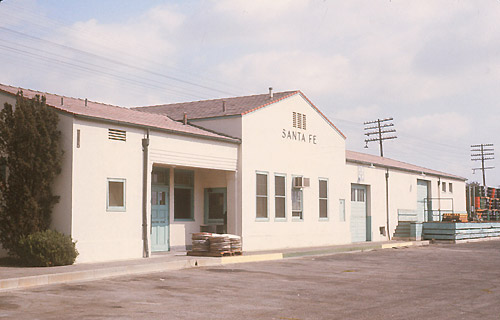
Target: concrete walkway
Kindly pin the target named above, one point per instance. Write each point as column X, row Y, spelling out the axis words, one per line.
column 21, row 277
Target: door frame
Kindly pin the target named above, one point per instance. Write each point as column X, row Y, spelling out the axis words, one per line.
column 165, row 189
column 206, row 205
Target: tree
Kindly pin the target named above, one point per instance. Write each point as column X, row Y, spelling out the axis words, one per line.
column 29, row 145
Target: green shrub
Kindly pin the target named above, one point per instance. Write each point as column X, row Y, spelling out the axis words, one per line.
column 46, row 249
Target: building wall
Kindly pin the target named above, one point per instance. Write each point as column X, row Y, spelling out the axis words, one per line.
column 267, row 147
column 402, row 194
column 230, row 125
column 101, row 234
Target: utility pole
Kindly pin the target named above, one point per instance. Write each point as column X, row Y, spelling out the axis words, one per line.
column 486, row 152
column 379, row 128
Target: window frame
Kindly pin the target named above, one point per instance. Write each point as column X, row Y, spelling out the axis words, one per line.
column 185, row 187
column 301, row 217
column 266, row 218
column 320, row 198
column 124, row 190
column 285, row 218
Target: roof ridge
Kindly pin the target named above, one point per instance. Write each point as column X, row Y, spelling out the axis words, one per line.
column 215, row 99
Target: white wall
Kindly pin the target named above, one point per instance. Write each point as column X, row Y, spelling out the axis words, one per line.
column 101, row 234
column 264, row 148
column 402, row 194
column 230, row 125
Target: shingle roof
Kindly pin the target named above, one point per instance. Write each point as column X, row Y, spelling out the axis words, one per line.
column 108, row 112
column 225, row 107
column 363, row 158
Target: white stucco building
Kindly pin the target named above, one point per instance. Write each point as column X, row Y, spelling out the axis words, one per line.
column 271, row 168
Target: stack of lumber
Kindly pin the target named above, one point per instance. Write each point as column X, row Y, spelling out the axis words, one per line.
column 215, row 245
column 235, row 243
column 200, row 241
column 219, row 243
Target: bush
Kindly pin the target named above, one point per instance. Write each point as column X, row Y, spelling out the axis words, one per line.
column 47, row 249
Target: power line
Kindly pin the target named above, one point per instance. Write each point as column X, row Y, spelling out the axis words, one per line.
column 486, row 153
column 381, row 128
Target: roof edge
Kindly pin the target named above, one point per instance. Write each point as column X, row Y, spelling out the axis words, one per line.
column 425, row 170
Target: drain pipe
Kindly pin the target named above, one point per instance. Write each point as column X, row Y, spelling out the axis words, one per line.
column 145, row 165
column 387, row 202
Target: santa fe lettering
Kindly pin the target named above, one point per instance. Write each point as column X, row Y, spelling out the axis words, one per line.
column 298, row 136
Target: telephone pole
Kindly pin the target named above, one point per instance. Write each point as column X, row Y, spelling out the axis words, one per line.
column 486, row 152
column 379, row 127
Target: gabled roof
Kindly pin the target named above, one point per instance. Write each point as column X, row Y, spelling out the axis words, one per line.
column 106, row 112
column 368, row 159
column 236, row 106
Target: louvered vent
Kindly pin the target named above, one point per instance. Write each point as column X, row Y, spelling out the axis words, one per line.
column 115, row 134
column 299, row 120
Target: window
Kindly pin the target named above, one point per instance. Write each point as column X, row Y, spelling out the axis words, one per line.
column 261, row 193
column 342, row 210
column 323, row 198
column 116, row 195
column 78, row 138
column 443, row 186
column 183, row 194
column 358, row 195
column 297, row 203
column 160, row 176
column 450, row 187
column 279, row 197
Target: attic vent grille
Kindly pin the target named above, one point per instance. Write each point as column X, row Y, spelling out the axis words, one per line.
column 299, row 120
column 115, row 134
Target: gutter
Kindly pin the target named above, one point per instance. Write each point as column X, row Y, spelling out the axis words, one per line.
column 444, row 175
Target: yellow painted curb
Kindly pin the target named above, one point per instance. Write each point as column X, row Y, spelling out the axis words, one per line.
column 397, row 245
column 252, row 258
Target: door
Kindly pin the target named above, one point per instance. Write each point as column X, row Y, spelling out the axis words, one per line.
column 360, row 222
column 424, row 211
column 216, row 208
column 159, row 219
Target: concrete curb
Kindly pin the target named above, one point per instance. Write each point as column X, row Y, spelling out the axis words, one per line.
column 152, row 267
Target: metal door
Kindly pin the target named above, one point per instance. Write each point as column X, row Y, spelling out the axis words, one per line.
column 159, row 219
column 359, row 226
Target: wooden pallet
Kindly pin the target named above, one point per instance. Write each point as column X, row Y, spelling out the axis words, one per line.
column 214, row 254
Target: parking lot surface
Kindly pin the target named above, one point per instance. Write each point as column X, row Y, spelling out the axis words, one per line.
column 459, row 281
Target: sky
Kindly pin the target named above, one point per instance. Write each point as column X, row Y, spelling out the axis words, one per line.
column 432, row 66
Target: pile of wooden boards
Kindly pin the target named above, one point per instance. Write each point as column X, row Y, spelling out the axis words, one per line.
column 216, row 245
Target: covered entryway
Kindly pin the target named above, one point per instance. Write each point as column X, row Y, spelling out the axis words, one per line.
column 424, row 212
column 360, row 221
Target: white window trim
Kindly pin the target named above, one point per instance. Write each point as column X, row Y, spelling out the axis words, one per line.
column 116, row 208
column 260, row 219
column 301, row 218
column 281, row 219
column 327, row 200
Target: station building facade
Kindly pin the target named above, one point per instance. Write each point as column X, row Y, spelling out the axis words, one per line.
column 271, row 168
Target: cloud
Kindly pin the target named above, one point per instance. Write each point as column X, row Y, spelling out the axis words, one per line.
column 447, row 126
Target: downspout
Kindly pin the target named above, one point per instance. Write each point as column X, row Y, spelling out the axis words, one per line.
column 387, row 201
column 145, row 164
